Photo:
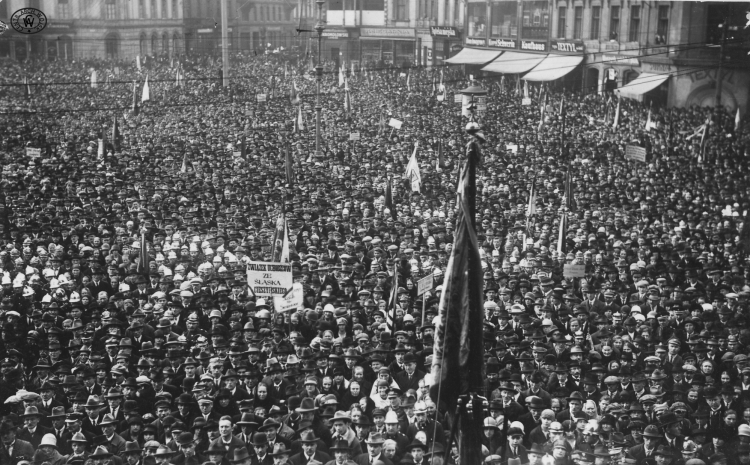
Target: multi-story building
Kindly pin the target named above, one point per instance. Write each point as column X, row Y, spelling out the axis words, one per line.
column 126, row 28
column 667, row 52
column 103, row 28
column 400, row 32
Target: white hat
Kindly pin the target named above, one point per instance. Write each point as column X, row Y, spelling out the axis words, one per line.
column 49, row 440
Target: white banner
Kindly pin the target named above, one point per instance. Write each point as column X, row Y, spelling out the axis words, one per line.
column 291, row 301
column 269, row 279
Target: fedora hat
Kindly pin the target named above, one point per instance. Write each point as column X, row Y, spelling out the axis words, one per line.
column 375, row 438
column 415, row 444
column 92, row 402
column 279, row 449
column 340, row 415
column 185, row 438
column 79, row 437
column 307, row 405
column 101, row 453
column 241, row 454
column 107, row 420
column 163, row 451
column 131, row 447
column 57, row 412
column 248, row 419
column 340, row 446
column 308, row 437
column 31, row 412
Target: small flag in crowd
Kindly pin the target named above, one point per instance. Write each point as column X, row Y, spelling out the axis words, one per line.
column 440, row 160
column 526, row 89
column 706, row 127
column 146, row 95
column 562, row 233
column 389, row 199
column 412, row 170
column 391, row 311
column 135, row 100
column 138, row 62
column 289, row 168
column 293, row 94
column 184, row 167
column 737, row 120
column 26, row 88
column 94, row 82
column 617, row 114
column 341, row 76
column 115, row 133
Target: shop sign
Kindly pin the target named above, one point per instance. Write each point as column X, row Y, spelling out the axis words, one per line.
column 503, row 43
column 620, row 60
column 534, row 45
column 567, row 47
column 444, row 31
column 387, row 32
column 335, row 33
column 474, row 41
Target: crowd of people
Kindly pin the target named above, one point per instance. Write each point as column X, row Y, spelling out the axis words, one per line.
column 113, row 357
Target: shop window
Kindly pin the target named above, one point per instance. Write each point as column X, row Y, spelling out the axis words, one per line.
column 477, row 19
column 635, row 23
column 614, row 23
column 503, row 19
column 662, row 27
column 578, row 23
column 535, row 20
column 561, row 21
column 596, row 22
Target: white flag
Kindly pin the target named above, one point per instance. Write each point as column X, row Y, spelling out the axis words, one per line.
column 138, row 62
column 412, row 171
column 525, row 89
column 146, row 95
column 341, row 76
column 94, row 81
column 737, row 120
column 617, row 114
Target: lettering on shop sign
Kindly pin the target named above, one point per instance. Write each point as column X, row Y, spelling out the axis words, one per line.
column 530, row 45
column 727, row 75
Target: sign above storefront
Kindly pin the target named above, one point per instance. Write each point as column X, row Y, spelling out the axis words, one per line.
column 534, row 45
column 566, row 46
column 335, row 33
column 444, row 31
column 620, row 60
column 475, row 41
column 503, row 43
column 387, row 32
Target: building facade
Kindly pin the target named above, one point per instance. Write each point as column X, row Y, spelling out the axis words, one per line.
column 662, row 51
column 126, row 28
column 106, row 28
column 386, row 32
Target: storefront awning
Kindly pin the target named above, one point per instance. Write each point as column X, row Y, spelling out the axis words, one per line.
column 514, row 63
column 553, row 67
column 642, row 84
column 473, row 56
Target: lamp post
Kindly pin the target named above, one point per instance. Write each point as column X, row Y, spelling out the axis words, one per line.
column 319, row 27
column 472, row 128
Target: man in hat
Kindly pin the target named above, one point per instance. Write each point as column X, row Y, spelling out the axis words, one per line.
column 417, row 450
column 226, row 440
column 410, row 376
column 78, row 445
column 260, row 446
column 32, row 432
column 309, row 443
column 652, row 437
column 13, row 450
column 432, row 428
column 187, row 455
column 515, row 449
column 374, row 452
column 341, row 454
column 114, row 442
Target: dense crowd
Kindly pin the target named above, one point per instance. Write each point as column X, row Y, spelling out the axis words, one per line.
column 643, row 360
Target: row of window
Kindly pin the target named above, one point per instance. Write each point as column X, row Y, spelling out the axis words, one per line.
column 535, row 19
column 110, row 9
column 595, row 32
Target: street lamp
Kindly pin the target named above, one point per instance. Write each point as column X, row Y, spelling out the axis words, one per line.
column 474, row 90
column 319, row 27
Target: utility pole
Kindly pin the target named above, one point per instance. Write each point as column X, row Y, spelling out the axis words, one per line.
column 225, row 43
column 319, row 27
column 719, row 77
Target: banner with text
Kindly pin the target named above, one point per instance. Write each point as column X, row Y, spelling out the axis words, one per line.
column 269, row 279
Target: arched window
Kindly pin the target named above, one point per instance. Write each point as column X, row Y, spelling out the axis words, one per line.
column 165, row 43
column 154, row 43
column 142, row 44
column 111, row 45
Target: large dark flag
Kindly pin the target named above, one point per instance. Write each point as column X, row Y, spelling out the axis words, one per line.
column 457, row 362
column 135, row 99
column 143, row 257
column 243, row 147
column 570, row 203
column 440, row 160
